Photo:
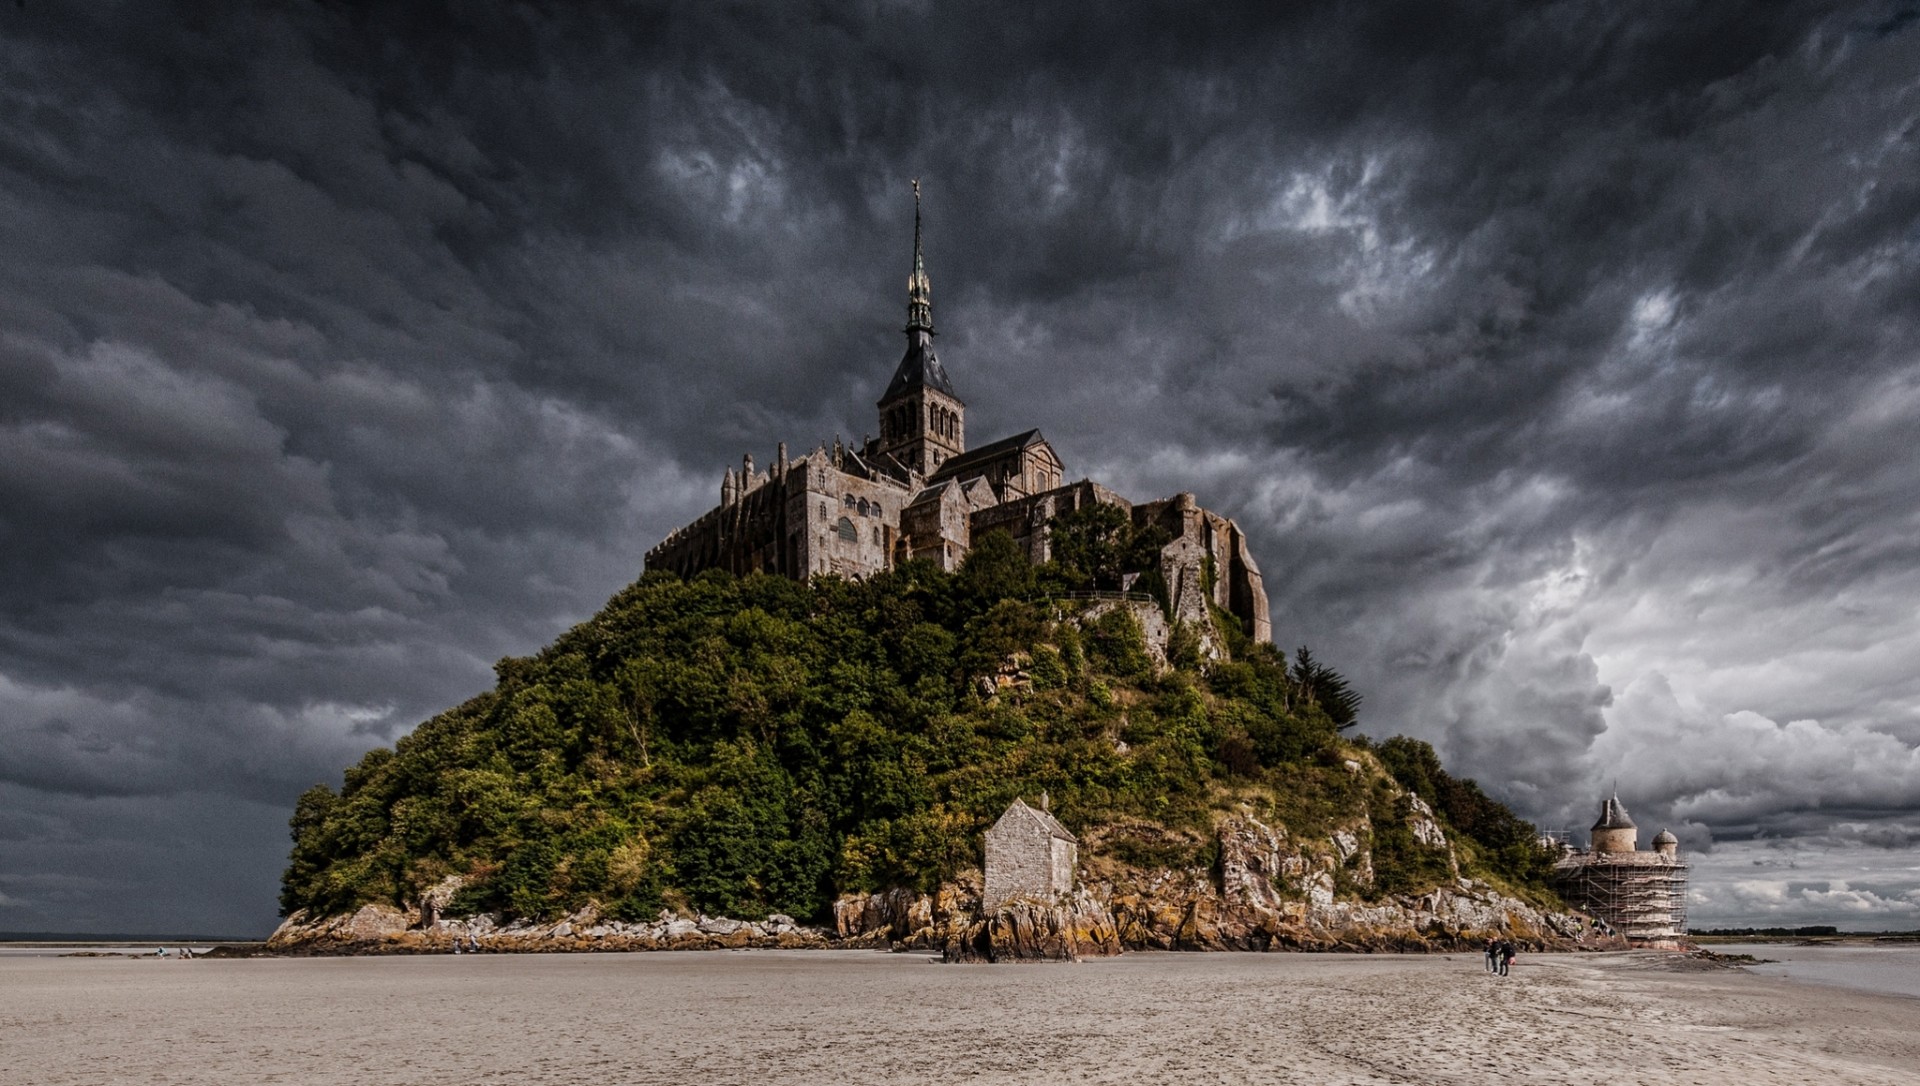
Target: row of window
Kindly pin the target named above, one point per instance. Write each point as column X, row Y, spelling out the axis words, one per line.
column 859, row 505
column 903, row 422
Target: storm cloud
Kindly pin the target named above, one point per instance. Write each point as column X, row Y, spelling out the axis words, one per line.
column 1561, row 359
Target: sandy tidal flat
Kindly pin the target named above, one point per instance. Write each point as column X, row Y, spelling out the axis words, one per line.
column 843, row 1017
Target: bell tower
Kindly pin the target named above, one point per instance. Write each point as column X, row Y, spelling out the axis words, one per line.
column 922, row 421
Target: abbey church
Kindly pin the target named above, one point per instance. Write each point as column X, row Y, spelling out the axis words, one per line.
column 917, row 491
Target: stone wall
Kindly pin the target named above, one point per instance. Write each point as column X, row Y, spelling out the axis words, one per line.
column 842, row 523
column 812, row 517
column 1025, row 860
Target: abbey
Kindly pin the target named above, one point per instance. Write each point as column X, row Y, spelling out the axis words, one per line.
column 918, row 492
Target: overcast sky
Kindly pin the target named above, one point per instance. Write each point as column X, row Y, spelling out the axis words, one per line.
column 1561, row 359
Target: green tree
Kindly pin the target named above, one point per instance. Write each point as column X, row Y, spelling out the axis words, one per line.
column 1327, row 688
column 1096, row 545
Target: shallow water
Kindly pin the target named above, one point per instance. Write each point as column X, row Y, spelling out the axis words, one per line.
column 1890, row 970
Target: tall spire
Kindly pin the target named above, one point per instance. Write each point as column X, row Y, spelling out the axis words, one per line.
column 919, row 290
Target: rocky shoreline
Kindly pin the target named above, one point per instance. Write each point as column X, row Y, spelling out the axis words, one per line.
column 1266, row 891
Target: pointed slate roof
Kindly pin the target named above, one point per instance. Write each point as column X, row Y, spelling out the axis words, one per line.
column 1613, row 815
column 920, row 366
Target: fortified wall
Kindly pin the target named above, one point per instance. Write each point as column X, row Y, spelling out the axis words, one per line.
column 918, row 492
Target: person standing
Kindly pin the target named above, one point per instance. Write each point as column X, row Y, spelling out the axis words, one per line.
column 1492, row 953
column 1506, row 956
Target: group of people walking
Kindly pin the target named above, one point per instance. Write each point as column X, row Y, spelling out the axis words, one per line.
column 1500, row 954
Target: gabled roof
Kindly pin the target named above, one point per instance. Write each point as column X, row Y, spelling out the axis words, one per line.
column 980, row 493
column 935, row 493
column 1018, row 809
column 1613, row 816
column 985, row 454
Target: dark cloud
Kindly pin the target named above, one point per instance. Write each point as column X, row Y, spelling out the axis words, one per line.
column 1561, row 360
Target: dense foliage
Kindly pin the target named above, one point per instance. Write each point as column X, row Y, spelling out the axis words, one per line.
column 752, row 745
column 1509, row 845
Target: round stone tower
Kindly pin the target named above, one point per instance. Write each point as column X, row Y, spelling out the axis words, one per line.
column 1615, row 832
column 1667, row 845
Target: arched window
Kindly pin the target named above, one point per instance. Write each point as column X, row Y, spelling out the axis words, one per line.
column 847, row 531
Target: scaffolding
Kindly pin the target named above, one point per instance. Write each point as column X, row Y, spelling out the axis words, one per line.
column 1641, row 895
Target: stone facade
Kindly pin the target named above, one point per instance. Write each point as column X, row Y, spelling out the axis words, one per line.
column 1641, row 894
column 1030, row 856
column 918, row 492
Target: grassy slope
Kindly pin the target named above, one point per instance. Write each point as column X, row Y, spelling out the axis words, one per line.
column 756, row 745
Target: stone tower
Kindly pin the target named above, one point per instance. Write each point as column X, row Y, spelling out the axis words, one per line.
column 922, row 421
column 1615, row 832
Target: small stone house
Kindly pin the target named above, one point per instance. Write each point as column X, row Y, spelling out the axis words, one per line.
column 1029, row 855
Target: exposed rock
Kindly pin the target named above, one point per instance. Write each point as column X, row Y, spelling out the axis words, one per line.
column 1026, row 930
column 434, row 901
column 1266, row 889
column 1425, row 825
column 378, row 929
column 1154, row 628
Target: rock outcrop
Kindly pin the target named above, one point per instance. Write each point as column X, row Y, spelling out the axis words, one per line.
column 1036, row 931
column 382, row 929
column 1250, row 885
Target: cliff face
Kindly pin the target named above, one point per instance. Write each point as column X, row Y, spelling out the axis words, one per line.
column 1266, row 891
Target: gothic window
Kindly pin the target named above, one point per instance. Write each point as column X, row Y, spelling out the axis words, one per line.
column 876, row 535
column 864, row 508
column 847, row 531
column 849, row 501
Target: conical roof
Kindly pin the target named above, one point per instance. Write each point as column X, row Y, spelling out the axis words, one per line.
column 1613, row 815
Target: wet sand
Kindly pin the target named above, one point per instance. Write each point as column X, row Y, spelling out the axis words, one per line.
column 841, row 1018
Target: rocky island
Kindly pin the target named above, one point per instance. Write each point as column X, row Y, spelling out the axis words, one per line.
column 796, row 727
column 763, row 762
